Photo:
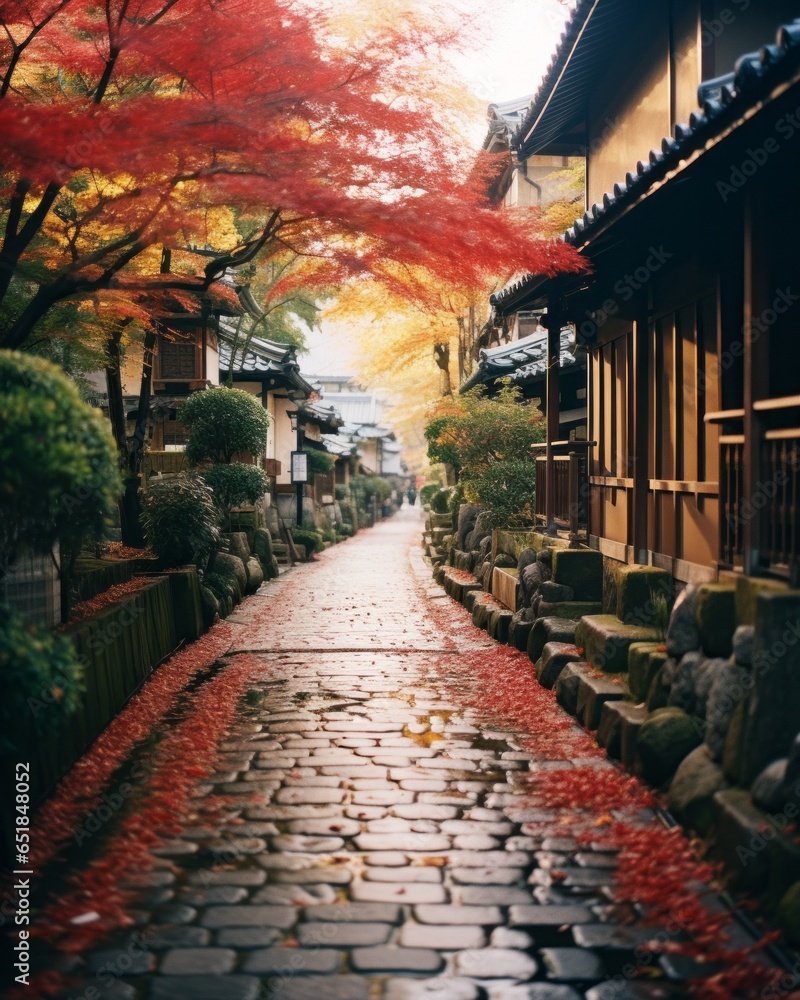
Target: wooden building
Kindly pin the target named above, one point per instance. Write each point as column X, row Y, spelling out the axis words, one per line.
column 691, row 304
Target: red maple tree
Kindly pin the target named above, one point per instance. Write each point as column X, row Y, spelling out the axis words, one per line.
column 132, row 127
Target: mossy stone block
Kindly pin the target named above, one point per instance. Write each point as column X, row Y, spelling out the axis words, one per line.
column 665, row 739
column 733, row 754
column 740, row 841
column 784, row 854
column 747, row 593
column 610, row 569
column 480, row 614
column 691, row 794
column 716, row 618
column 788, row 914
column 657, row 694
column 606, row 641
column 640, row 672
column 639, row 589
column 546, row 630
column 574, row 610
column 580, row 569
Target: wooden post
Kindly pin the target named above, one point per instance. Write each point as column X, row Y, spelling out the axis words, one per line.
column 574, row 495
column 639, row 439
column 756, row 374
column 553, row 405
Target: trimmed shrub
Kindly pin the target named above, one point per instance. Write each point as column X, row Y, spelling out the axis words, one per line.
column 440, row 502
column 319, row 462
column 41, row 681
column 235, row 484
column 312, row 540
column 59, row 479
column 222, row 422
column 428, row 492
column 506, row 491
column 180, row 520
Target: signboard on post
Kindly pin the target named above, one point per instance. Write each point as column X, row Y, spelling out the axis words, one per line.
column 299, row 467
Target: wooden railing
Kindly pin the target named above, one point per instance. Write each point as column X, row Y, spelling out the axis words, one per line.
column 776, row 498
column 571, row 485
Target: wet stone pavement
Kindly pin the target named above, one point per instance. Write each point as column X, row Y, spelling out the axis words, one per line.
column 375, row 841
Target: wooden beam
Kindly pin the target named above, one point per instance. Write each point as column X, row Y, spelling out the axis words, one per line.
column 639, row 440
column 554, row 319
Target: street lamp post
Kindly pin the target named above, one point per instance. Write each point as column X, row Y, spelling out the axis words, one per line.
column 299, row 466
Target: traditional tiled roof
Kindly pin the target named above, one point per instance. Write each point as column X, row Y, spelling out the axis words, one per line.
column 327, row 417
column 521, row 360
column 724, row 103
column 336, row 445
column 263, row 359
column 504, row 118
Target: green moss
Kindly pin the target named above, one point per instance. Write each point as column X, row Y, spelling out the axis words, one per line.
column 789, row 914
column 716, row 618
column 665, row 739
column 606, row 641
column 641, row 669
column 580, row 569
column 638, row 591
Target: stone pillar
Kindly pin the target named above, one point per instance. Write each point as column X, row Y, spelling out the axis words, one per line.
column 774, row 716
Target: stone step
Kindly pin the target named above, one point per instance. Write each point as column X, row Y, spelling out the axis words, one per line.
column 546, row 630
column 619, row 726
column 574, row 610
column 568, row 683
column 638, row 592
column 580, row 569
column 555, row 656
column 457, row 583
column 606, row 641
column 644, row 661
column 594, row 692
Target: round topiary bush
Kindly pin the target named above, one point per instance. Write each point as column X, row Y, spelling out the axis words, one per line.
column 42, row 681
column 312, row 540
column 507, row 492
column 222, row 422
column 235, row 484
column 59, row 478
column 319, row 462
column 180, row 520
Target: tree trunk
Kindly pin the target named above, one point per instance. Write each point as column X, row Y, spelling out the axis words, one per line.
column 441, row 355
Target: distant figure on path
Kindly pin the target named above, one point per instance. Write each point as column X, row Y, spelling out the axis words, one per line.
column 411, row 493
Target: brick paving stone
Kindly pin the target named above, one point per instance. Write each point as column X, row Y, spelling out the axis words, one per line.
column 485, row 859
column 366, row 812
column 268, row 961
column 536, row 991
column 484, row 915
column 406, row 873
column 197, row 961
column 361, row 913
column 310, row 796
column 292, row 842
column 343, row 935
column 372, row 785
column 161, row 938
column 312, row 781
column 487, row 876
column 290, row 812
column 447, row 938
column 615, row 990
column 506, row 937
column 131, row 961
column 382, row 797
column 441, row 988
column 214, row 894
column 175, row 913
column 391, row 892
column 494, row 895
column 242, row 938
column 467, row 827
column 386, row 859
column 332, row 875
column 423, row 785
column 609, row 937
column 205, row 988
column 295, row 895
column 387, row 959
column 571, row 965
column 249, row 916
column 317, row 988
column 421, row 810
column 475, row 842
column 495, row 963
column 549, row 916
column 402, row 842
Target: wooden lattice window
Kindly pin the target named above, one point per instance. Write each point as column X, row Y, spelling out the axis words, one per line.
column 178, row 360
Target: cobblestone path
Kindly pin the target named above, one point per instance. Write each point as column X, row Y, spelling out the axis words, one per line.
column 374, row 844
